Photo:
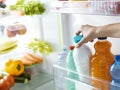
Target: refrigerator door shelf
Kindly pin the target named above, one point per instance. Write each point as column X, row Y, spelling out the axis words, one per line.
column 63, row 82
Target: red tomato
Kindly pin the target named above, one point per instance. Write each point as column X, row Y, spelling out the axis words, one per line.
column 4, row 85
column 9, row 84
column 6, row 82
column 10, row 78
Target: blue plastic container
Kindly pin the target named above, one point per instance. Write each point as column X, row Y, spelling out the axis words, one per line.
column 115, row 73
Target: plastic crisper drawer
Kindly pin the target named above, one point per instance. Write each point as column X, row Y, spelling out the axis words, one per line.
column 65, row 82
column 16, row 55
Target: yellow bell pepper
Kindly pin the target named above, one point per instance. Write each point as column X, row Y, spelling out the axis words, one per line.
column 14, row 67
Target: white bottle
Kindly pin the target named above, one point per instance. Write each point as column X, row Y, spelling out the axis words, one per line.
column 82, row 57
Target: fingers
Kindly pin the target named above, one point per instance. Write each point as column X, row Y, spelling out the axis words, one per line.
column 87, row 32
column 81, row 42
column 92, row 41
column 78, row 32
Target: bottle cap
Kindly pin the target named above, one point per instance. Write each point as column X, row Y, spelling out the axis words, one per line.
column 71, row 47
column 64, row 48
column 117, row 58
column 102, row 38
column 77, row 38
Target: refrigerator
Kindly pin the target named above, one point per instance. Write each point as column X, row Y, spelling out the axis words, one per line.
column 57, row 26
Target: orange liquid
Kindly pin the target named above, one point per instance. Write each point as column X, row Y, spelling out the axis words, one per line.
column 100, row 65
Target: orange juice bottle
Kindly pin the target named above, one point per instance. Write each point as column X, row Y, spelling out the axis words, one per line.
column 100, row 64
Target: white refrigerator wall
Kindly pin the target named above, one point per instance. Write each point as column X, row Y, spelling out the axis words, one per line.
column 50, row 30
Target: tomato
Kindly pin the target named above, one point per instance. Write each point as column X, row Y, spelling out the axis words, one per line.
column 6, row 82
column 1, row 77
column 10, row 79
column 1, row 85
column 4, row 85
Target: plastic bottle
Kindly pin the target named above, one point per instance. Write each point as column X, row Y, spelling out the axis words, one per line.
column 71, row 67
column 82, row 58
column 100, row 64
column 115, row 73
column 59, row 72
column 62, row 57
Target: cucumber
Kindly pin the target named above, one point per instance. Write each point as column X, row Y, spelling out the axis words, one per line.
column 23, row 78
column 26, row 75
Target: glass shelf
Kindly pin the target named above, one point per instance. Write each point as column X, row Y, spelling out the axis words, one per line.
column 38, row 80
column 90, row 7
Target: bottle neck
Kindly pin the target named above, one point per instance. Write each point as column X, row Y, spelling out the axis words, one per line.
column 117, row 59
column 102, row 45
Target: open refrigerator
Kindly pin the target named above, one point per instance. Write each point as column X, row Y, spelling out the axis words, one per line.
column 67, row 17
column 32, row 27
column 73, row 14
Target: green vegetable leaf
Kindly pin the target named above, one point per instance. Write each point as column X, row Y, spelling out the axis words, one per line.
column 30, row 7
column 40, row 46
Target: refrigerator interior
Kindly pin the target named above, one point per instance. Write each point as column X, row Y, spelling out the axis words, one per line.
column 58, row 29
column 44, row 27
column 71, row 19
column 34, row 30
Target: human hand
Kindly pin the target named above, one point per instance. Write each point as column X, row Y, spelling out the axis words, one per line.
column 88, row 32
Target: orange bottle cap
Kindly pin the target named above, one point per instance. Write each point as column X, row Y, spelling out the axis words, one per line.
column 71, row 47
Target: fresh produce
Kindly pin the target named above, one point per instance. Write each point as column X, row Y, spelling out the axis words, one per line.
column 8, row 50
column 23, row 78
column 10, row 78
column 33, row 7
column 26, row 75
column 26, row 61
column 7, row 44
column 30, row 7
column 34, row 58
column 18, row 6
column 20, row 2
column 6, row 81
column 14, row 67
column 29, row 59
column 19, row 79
column 40, row 46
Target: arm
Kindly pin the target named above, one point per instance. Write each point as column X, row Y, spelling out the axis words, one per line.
column 91, row 32
column 110, row 30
